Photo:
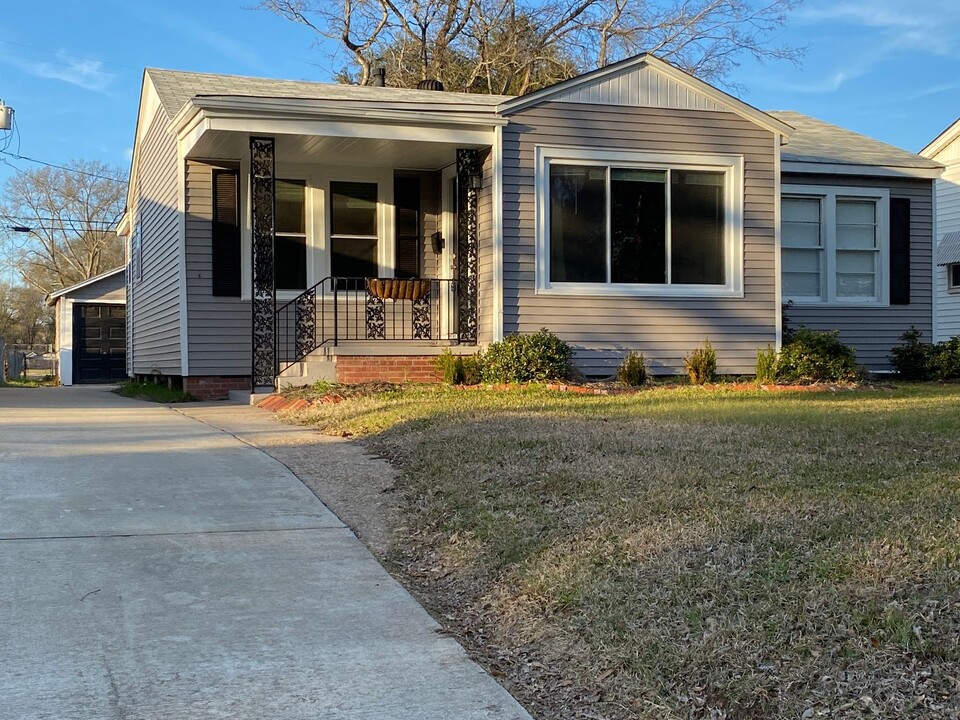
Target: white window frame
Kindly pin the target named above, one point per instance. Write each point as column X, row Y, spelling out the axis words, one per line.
column 730, row 165
column 289, row 294
column 828, row 196
column 952, row 287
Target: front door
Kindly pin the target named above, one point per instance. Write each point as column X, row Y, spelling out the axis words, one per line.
column 99, row 343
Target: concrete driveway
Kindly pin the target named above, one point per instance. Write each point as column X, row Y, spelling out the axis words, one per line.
column 153, row 566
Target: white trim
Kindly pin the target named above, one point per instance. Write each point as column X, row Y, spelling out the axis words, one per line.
column 778, row 246
column 497, row 210
column 182, row 258
column 813, row 168
column 941, row 141
column 731, row 165
column 245, row 191
column 82, row 284
column 934, row 235
column 65, row 342
column 828, row 227
column 729, row 102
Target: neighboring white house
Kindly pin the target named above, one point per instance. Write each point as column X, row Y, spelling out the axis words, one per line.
column 945, row 149
column 91, row 329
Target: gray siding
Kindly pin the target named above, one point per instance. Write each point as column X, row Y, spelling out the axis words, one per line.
column 873, row 331
column 218, row 328
column 664, row 329
column 948, row 220
column 108, row 290
column 155, row 325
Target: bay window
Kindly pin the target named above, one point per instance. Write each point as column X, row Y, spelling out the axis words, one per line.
column 639, row 223
column 834, row 244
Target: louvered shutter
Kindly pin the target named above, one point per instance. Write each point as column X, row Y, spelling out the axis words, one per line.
column 899, row 251
column 226, row 233
column 406, row 196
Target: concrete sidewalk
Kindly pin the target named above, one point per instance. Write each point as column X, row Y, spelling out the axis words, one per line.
column 154, row 566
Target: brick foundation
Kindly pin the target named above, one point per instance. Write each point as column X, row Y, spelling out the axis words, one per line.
column 215, row 387
column 353, row 369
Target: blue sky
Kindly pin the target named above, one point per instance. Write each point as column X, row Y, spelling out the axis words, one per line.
column 72, row 70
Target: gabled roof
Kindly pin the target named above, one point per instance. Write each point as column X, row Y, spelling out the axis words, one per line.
column 175, row 88
column 819, row 142
column 714, row 98
column 940, row 142
column 51, row 298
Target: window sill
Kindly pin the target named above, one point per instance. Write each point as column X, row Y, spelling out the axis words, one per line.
column 807, row 302
column 601, row 290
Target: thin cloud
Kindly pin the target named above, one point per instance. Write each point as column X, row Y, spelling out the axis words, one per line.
column 83, row 73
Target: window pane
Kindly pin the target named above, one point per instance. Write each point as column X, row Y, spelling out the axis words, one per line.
column 801, row 210
column 291, row 214
column 953, row 272
column 856, row 212
column 354, row 257
column 856, row 285
column 290, row 262
column 859, row 237
column 353, row 208
column 801, row 260
column 696, row 217
column 801, row 235
column 797, row 284
column 578, row 228
column 856, row 262
column 638, row 226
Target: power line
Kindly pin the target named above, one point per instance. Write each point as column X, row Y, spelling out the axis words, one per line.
column 32, row 218
column 60, row 167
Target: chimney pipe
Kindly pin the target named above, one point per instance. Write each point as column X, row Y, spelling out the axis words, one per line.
column 380, row 77
column 430, row 85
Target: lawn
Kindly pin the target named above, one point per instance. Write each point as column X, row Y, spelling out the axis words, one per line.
column 685, row 553
column 153, row 392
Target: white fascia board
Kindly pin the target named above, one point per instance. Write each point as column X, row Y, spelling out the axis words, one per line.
column 738, row 107
column 941, row 141
column 813, row 168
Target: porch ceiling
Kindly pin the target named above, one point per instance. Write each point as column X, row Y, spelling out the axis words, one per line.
column 327, row 150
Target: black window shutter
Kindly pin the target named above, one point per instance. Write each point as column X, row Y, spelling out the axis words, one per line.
column 226, row 233
column 406, row 199
column 899, row 251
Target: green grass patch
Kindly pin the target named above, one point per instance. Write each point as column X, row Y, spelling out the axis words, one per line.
column 31, row 382
column 689, row 551
column 153, row 392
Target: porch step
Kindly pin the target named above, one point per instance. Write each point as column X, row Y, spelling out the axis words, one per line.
column 307, row 372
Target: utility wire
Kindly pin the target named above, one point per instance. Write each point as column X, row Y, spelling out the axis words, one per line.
column 34, row 218
column 60, row 167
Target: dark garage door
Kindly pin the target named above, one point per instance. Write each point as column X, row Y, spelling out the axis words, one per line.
column 99, row 343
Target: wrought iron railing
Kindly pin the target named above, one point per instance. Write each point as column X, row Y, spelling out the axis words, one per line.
column 339, row 309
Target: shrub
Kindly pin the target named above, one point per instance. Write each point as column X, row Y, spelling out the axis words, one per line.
column 913, row 359
column 945, row 360
column 816, row 356
column 459, row 369
column 537, row 357
column 701, row 364
column 633, row 370
column 767, row 362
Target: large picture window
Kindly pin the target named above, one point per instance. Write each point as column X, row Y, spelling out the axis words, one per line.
column 834, row 245
column 639, row 224
column 353, row 229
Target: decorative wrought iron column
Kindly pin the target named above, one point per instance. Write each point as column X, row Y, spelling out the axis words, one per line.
column 264, row 293
column 469, row 183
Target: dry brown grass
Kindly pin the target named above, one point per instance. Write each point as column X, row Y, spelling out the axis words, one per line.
column 687, row 553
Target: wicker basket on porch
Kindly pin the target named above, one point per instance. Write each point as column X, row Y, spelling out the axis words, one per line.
column 392, row 289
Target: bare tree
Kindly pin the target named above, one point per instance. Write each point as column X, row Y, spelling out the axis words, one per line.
column 57, row 226
column 516, row 46
column 25, row 317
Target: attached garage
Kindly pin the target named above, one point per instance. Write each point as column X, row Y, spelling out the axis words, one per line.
column 91, row 330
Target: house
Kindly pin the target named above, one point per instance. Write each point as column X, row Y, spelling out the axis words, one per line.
column 89, row 329
column 281, row 232
column 945, row 149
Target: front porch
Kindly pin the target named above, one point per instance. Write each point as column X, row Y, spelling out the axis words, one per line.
column 363, row 234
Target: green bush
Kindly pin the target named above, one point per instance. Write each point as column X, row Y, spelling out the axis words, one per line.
column 767, row 362
column 945, row 359
column 913, row 359
column 816, row 356
column 633, row 370
column 701, row 364
column 538, row 357
column 459, row 369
